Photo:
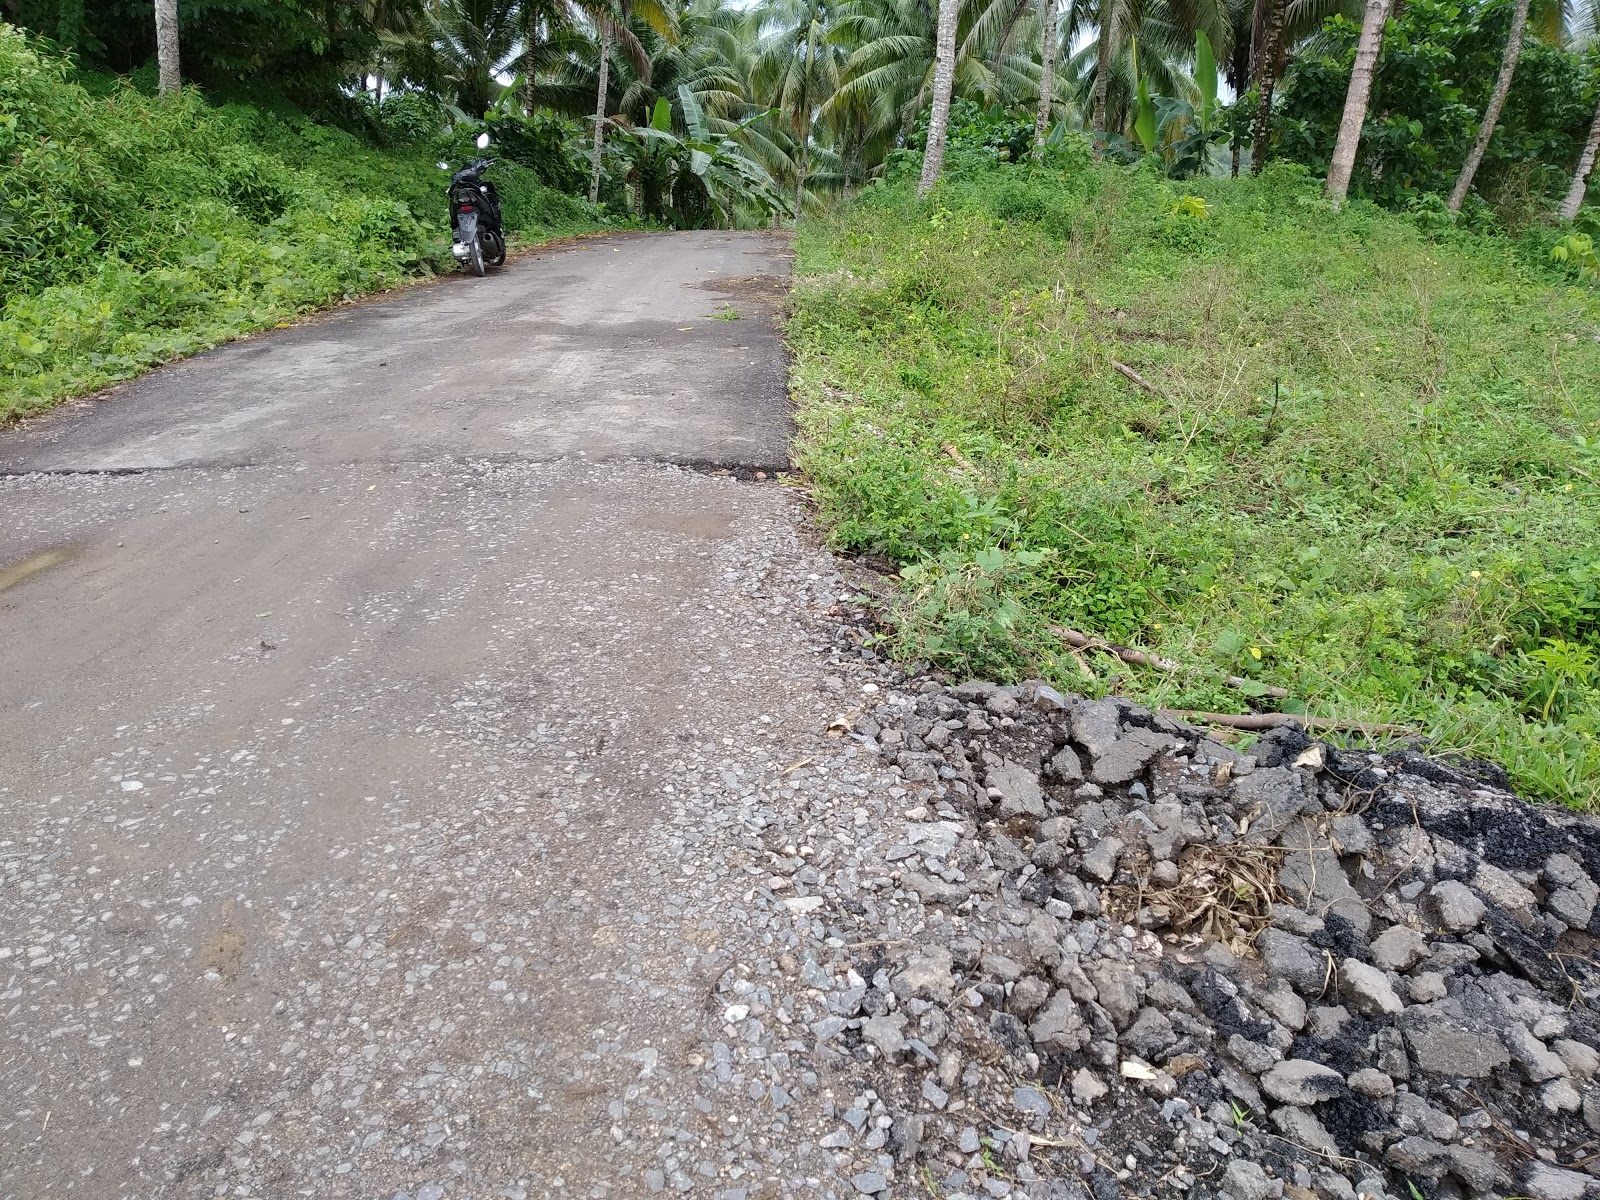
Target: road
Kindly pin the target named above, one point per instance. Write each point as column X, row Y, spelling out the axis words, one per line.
column 369, row 690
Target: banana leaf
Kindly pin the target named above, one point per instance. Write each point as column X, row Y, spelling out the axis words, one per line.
column 1144, row 121
column 1205, row 78
column 693, row 117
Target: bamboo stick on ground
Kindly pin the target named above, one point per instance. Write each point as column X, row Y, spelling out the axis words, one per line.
column 1138, row 658
column 1139, row 379
column 1272, row 720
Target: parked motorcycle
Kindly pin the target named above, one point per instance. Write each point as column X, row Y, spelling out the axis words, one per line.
column 476, row 235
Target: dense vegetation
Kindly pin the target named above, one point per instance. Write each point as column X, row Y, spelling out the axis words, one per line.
column 133, row 230
column 817, row 94
column 1438, row 65
column 1364, row 468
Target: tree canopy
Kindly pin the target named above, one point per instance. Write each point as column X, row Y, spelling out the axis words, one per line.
column 819, row 94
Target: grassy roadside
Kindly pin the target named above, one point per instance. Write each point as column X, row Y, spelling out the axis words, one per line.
column 134, row 231
column 1363, row 470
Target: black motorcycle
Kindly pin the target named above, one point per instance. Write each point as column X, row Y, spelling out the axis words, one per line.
column 476, row 234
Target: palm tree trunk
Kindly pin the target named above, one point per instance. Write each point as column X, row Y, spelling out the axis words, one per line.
column 804, row 164
column 600, row 108
column 1580, row 177
column 529, row 35
column 944, row 74
column 1355, row 101
column 167, row 46
column 1267, row 80
column 1502, row 85
column 803, row 168
column 1102, row 77
column 1048, row 50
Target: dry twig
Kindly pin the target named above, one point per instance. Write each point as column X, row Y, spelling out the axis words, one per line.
column 1138, row 658
column 1139, row 379
column 1224, row 892
column 1270, row 720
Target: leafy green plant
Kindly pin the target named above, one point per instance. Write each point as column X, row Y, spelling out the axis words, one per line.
column 1186, row 139
column 1569, row 671
column 964, row 610
column 1576, row 252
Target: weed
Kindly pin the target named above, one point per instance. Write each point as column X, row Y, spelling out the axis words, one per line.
column 1359, row 462
column 1576, row 252
column 727, row 313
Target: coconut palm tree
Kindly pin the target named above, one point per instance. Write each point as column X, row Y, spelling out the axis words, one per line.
column 944, row 74
column 887, row 80
column 1049, row 49
column 1266, row 83
column 604, row 75
column 1497, row 99
column 1580, row 177
column 713, row 54
column 169, row 78
column 1355, row 100
column 1102, row 70
column 1116, row 19
column 611, row 21
column 1165, row 47
column 458, row 51
column 797, row 67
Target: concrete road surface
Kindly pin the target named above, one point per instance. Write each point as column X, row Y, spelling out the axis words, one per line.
column 612, row 348
column 358, row 684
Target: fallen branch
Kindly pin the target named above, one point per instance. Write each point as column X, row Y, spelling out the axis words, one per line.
column 1139, row 379
column 1127, row 654
column 1270, row 720
column 1082, row 641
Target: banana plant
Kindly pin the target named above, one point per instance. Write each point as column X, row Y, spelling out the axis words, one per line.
column 701, row 178
column 1205, row 79
column 1144, row 117
column 1189, row 138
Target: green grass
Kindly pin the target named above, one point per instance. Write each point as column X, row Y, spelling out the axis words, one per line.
column 133, row 230
column 1367, row 475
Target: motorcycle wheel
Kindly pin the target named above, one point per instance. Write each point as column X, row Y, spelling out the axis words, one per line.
column 475, row 258
column 497, row 252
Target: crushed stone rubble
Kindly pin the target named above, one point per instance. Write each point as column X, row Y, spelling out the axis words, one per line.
column 883, row 937
column 1073, row 948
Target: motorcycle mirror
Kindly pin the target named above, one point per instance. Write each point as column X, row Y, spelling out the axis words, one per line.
column 444, row 166
column 483, row 140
